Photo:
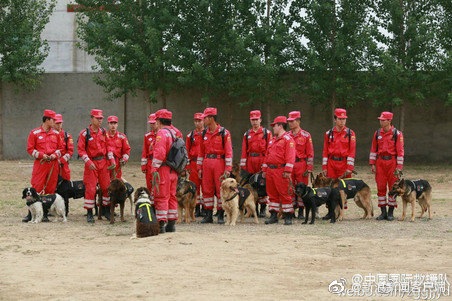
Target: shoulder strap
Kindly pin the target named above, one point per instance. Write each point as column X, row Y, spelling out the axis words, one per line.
column 204, row 133
column 87, row 136
column 171, row 133
column 376, row 140
column 66, row 138
column 394, row 137
column 222, row 131
column 246, row 138
column 192, row 138
column 330, row 135
column 349, row 134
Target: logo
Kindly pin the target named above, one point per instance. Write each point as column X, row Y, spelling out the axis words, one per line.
column 379, row 137
column 205, row 138
column 337, row 287
column 40, row 137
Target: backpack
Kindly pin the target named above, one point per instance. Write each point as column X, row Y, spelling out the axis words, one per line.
column 88, row 135
column 264, row 130
column 394, row 137
column 331, row 136
column 177, row 158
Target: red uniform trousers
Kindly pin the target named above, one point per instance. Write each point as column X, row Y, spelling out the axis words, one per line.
column 194, row 177
column 91, row 178
column 385, row 178
column 47, row 172
column 212, row 170
column 254, row 165
column 65, row 171
column 118, row 170
column 297, row 177
column 165, row 196
column 278, row 190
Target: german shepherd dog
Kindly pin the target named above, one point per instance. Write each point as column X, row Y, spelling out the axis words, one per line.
column 349, row 188
column 410, row 191
column 186, row 195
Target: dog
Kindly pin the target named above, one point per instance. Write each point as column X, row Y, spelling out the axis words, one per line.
column 235, row 199
column 98, row 198
column 410, row 191
column 315, row 197
column 146, row 220
column 40, row 203
column 69, row 190
column 117, row 191
column 186, row 195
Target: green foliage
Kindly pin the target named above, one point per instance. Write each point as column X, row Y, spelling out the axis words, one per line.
column 22, row 50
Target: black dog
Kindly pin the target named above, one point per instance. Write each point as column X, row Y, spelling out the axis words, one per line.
column 315, row 197
column 70, row 190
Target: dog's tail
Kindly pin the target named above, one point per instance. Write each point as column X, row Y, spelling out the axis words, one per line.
column 337, row 196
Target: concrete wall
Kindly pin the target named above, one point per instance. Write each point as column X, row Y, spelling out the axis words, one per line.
column 427, row 130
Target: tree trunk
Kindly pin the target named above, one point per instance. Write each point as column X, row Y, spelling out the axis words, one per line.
column 402, row 117
column 333, row 105
column 1, row 120
column 148, row 106
column 333, row 70
column 161, row 96
column 125, row 114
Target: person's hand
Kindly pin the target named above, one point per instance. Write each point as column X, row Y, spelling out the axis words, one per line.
column 46, row 157
column 227, row 174
column 286, row 175
column 93, row 166
column 200, row 174
column 52, row 157
column 143, row 170
column 264, row 174
column 183, row 174
column 325, row 172
column 348, row 172
column 122, row 162
column 372, row 168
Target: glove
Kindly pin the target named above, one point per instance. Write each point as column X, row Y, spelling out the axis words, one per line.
column 111, row 167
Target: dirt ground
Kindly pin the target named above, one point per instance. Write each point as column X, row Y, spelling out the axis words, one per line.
column 80, row 261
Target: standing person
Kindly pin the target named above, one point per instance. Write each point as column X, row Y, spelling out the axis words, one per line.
column 95, row 150
column 304, row 156
column 148, row 153
column 254, row 146
column 120, row 145
column 67, row 148
column 214, row 163
column 277, row 169
column 386, row 162
column 165, row 178
column 44, row 144
column 193, row 142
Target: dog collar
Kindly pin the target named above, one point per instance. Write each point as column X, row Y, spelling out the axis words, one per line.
column 232, row 197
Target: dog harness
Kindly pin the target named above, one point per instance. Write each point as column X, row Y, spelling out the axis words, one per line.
column 146, row 213
column 191, row 188
column 259, row 184
column 351, row 186
column 47, row 200
column 243, row 194
column 418, row 185
column 129, row 188
column 321, row 194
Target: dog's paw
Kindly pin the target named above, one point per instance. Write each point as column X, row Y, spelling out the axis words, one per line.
column 401, row 219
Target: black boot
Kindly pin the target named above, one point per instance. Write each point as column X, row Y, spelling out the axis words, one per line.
column 105, row 211
column 198, row 211
column 27, row 218
column 45, row 219
column 300, row 213
column 207, row 217
column 171, row 226
column 288, row 218
column 273, row 218
column 383, row 214
column 263, row 210
column 162, row 225
column 220, row 216
column 390, row 216
column 89, row 216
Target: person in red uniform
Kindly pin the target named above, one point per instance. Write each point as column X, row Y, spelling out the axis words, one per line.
column 193, row 142
column 254, row 146
column 339, row 149
column 304, row 158
column 96, row 151
column 165, row 193
column 44, row 144
column 386, row 160
column 147, row 154
column 214, row 163
column 68, row 148
column 120, row 145
column 277, row 169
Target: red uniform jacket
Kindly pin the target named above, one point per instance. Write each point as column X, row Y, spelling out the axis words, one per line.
column 387, row 146
column 148, row 149
column 193, row 143
column 41, row 142
column 177, row 132
column 163, row 142
column 212, row 144
column 304, row 148
column 67, row 147
column 281, row 150
column 339, row 144
column 120, row 145
column 98, row 146
column 257, row 144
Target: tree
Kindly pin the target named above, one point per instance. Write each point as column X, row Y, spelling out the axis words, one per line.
column 338, row 47
column 22, row 50
column 133, row 43
column 409, row 54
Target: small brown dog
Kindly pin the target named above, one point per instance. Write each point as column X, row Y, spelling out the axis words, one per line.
column 410, row 191
column 235, row 199
column 186, row 195
column 117, row 191
column 146, row 220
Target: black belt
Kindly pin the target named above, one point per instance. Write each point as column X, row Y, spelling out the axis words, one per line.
column 193, row 160
column 213, row 156
column 275, row 166
column 337, row 158
column 151, row 157
column 98, row 158
column 255, row 155
column 385, row 157
column 299, row 159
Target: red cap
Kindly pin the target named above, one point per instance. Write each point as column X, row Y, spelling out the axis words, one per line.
column 164, row 114
column 198, row 116
column 386, row 116
column 294, row 115
column 112, row 118
column 209, row 112
column 151, row 118
column 97, row 113
column 279, row 119
column 255, row 114
column 340, row 113
column 58, row 118
column 49, row 113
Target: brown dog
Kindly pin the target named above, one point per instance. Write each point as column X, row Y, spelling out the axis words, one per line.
column 410, row 191
column 117, row 191
column 146, row 221
column 186, row 195
column 235, row 199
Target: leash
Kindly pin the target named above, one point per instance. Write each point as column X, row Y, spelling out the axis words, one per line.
column 291, row 189
column 223, row 177
column 48, row 177
column 156, row 181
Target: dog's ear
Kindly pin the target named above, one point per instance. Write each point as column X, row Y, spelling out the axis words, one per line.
column 24, row 193
column 401, row 182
